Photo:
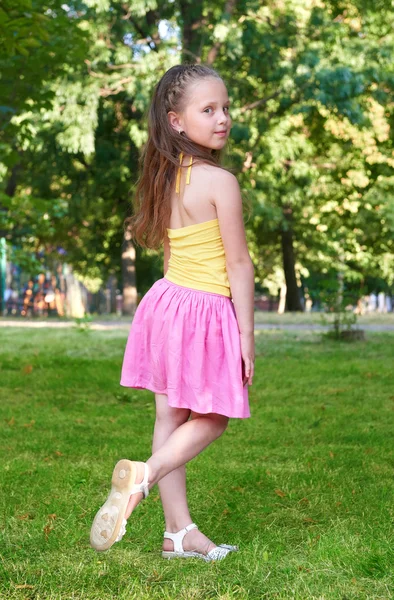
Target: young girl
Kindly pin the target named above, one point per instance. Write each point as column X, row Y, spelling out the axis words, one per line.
column 192, row 337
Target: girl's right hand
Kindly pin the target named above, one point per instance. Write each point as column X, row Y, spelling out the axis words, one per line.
column 248, row 356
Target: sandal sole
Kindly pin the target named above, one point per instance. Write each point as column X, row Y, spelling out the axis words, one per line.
column 108, row 520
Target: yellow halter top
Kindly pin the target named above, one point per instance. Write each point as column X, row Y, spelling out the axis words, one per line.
column 197, row 257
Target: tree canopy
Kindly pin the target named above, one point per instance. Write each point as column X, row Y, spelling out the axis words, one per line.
column 311, row 84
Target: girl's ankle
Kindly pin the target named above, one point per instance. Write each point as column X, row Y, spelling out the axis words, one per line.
column 154, row 472
column 178, row 524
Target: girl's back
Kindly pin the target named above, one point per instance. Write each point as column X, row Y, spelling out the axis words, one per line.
column 195, row 202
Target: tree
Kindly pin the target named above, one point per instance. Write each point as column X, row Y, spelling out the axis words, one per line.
column 311, row 87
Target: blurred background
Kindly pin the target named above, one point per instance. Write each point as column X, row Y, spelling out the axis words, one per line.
column 311, row 84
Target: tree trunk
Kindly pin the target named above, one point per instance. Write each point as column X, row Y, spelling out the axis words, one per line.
column 191, row 15
column 293, row 301
column 128, row 276
column 12, row 181
column 282, row 299
column 112, row 285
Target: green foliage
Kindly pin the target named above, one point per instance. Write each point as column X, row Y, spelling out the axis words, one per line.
column 311, row 88
column 39, row 44
column 320, row 145
column 83, row 324
column 28, row 263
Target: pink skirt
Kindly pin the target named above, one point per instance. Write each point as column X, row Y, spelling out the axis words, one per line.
column 185, row 343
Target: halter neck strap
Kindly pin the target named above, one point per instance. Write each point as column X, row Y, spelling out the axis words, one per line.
column 178, row 176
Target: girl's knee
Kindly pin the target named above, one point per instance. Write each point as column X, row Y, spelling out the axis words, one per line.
column 218, row 422
column 222, row 423
column 169, row 414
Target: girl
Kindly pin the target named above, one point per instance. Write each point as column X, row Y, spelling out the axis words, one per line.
column 192, row 337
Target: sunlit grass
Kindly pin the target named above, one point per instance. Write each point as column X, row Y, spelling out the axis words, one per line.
column 294, row 318
column 305, row 487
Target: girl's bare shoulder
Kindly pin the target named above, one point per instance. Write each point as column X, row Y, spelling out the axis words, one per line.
column 217, row 176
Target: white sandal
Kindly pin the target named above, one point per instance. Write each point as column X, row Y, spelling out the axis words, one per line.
column 109, row 524
column 217, row 553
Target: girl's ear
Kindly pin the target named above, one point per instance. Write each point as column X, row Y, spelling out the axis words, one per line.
column 174, row 121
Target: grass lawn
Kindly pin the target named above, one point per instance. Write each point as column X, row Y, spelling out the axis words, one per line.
column 260, row 316
column 304, row 487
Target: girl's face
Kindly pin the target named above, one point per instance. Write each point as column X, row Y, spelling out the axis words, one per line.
column 205, row 120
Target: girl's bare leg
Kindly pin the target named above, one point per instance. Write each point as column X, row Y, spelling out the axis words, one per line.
column 173, row 486
column 175, row 442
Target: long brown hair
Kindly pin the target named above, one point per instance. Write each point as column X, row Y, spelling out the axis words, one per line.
column 159, row 160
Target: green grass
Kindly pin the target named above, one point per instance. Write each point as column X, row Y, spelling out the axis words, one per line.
column 288, row 318
column 304, row 487
column 314, row 318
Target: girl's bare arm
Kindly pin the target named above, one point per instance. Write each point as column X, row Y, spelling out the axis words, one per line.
column 240, row 269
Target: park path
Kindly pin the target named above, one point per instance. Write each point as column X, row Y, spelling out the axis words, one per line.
column 111, row 325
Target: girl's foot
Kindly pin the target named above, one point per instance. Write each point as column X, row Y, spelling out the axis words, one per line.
column 194, row 541
column 129, row 486
column 197, row 546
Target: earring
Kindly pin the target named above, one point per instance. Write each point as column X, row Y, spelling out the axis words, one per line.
column 180, row 132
